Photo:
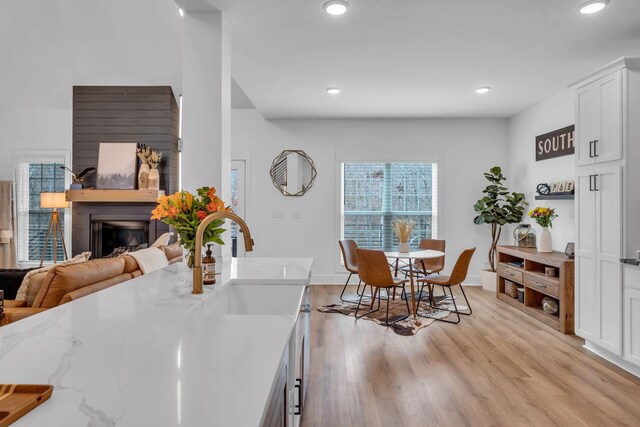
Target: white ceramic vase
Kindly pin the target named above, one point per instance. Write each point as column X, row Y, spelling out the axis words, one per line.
column 544, row 240
column 403, row 248
column 154, row 179
column 143, row 177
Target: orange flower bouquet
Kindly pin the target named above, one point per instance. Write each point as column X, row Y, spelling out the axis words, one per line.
column 184, row 212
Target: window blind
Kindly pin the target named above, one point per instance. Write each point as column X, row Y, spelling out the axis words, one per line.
column 376, row 194
column 32, row 221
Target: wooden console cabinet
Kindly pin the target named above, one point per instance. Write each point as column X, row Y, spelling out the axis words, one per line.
column 526, row 268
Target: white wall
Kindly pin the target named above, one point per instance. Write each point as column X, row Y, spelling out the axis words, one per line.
column 48, row 47
column 524, row 173
column 463, row 148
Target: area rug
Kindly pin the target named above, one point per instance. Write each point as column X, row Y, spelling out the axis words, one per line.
column 397, row 309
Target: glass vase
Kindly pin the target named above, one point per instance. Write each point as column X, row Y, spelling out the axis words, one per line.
column 189, row 257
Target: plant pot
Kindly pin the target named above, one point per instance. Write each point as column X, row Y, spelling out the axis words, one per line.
column 143, row 177
column 154, row 179
column 404, row 248
column 544, row 240
column 488, row 280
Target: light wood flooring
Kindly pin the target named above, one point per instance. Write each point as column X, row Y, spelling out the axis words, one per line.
column 498, row 367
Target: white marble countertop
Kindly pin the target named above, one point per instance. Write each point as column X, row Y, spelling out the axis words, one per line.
column 145, row 353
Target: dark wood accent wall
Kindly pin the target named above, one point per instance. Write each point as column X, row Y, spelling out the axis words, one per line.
column 144, row 114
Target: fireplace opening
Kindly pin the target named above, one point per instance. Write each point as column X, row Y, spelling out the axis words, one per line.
column 113, row 237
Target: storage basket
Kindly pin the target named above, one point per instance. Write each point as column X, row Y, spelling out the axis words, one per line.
column 510, row 289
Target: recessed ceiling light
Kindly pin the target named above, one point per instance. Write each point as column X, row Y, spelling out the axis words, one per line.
column 483, row 90
column 333, row 90
column 336, row 7
column 180, row 11
column 592, row 6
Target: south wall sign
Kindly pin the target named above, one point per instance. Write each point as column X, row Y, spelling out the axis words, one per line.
column 555, row 144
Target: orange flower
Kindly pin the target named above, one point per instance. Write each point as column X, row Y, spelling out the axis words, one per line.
column 159, row 212
column 172, row 212
column 201, row 215
column 213, row 206
column 163, row 202
column 188, row 201
column 212, row 193
column 176, row 200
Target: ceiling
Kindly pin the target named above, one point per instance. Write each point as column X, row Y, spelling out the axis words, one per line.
column 419, row 58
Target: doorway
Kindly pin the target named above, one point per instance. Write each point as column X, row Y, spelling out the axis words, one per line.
column 238, row 203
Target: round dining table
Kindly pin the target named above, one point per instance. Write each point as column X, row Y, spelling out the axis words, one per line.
column 410, row 257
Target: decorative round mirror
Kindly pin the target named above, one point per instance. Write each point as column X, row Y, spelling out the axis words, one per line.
column 293, row 172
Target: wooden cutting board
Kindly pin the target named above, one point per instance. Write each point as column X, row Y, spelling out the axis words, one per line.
column 16, row 400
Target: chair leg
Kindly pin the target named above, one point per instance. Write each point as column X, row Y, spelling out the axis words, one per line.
column 386, row 320
column 467, row 301
column 360, row 301
column 450, row 311
column 345, row 288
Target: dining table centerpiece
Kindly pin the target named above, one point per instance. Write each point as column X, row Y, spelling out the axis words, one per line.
column 403, row 229
column 185, row 211
column 544, row 218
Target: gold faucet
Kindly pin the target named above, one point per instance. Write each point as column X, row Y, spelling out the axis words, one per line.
column 197, row 267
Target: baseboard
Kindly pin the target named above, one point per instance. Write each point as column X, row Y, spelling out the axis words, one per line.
column 613, row 358
column 339, row 279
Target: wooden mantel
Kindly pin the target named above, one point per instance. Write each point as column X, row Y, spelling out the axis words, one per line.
column 113, row 196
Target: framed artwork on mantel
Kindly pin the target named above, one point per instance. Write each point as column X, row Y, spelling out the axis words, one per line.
column 117, row 166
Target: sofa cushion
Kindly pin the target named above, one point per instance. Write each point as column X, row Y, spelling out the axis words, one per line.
column 173, row 253
column 130, row 263
column 90, row 289
column 33, row 280
column 67, row 278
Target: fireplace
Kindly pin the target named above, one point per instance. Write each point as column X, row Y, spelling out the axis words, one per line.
column 108, row 235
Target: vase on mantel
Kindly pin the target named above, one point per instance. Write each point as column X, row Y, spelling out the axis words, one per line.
column 143, row 177
column 544, row 240
column 403, row 248
column 154, row 179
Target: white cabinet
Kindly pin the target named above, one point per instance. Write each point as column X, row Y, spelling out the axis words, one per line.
column 632, row 314
column 598, row 247
column 599, row 120
column 632, row 318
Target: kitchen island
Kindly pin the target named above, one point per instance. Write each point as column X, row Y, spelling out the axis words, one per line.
column 149, row 353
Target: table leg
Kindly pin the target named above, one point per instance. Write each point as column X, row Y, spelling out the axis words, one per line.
column 413, row 294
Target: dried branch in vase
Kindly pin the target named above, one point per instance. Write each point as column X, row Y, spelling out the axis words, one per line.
column 403, row 229
column 154, row 159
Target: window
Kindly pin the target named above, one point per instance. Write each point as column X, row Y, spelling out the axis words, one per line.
column 375, row 194
column 33, row 178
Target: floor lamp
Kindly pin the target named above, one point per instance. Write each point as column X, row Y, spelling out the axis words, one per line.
column 53, row 201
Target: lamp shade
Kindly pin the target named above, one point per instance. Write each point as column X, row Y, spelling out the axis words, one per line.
column 53, row 200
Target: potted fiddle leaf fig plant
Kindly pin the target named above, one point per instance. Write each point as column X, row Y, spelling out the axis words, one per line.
column 497, row 208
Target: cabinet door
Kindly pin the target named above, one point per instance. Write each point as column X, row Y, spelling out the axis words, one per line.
column 585, row 284
column 632, row 325
column 586, row 130
column 608, row 145
column 608, row 186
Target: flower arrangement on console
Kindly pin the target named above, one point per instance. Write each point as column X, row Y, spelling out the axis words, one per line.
column 184, row 212
column 403, row 229
column 543, row 216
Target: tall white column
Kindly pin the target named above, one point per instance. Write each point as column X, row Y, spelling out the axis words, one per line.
column 206, row 105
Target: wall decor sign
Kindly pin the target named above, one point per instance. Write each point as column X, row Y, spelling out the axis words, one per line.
column 555, row 144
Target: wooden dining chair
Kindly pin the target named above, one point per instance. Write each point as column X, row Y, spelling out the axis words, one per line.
column 374, row 271
column 348, row 249
column 457, row 276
